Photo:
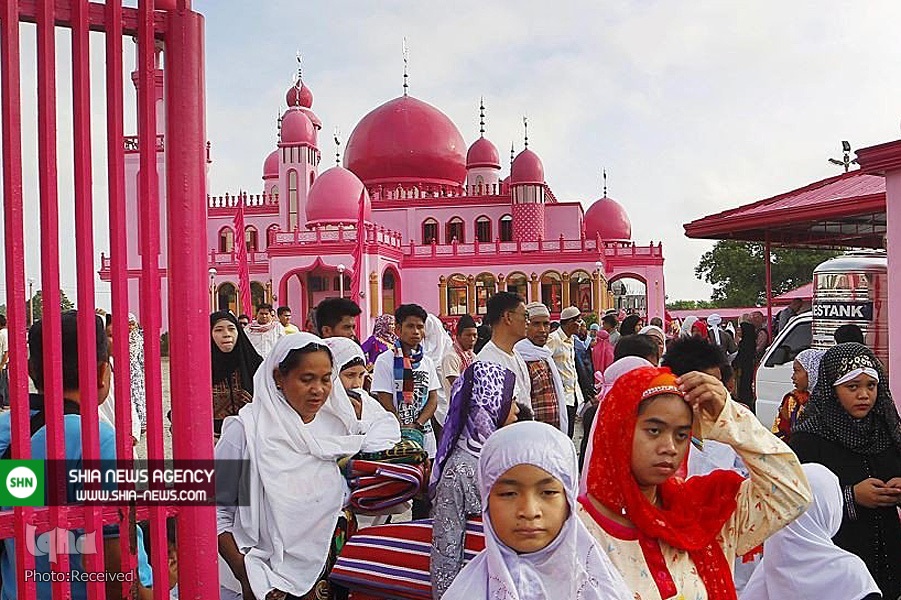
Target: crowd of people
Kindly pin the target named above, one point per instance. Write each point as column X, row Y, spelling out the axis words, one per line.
column 676, row 490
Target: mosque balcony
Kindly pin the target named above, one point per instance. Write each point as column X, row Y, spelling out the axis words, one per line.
column 405, row 194
column 541, row 250
column 334, row 240
column 131, row 144
column 254, row 204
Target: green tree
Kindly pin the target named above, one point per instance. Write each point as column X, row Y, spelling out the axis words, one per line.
column 38, row 302
column 737, row 272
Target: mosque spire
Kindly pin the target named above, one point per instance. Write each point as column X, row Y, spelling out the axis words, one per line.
column 337, row 147
column 298, row 79
column 406, row 61
column 604, row 175
column 278, row 118
column 525, row 127
column 482, row 116
column 512, row 152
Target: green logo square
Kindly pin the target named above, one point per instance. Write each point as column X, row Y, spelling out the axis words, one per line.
column 21, row 483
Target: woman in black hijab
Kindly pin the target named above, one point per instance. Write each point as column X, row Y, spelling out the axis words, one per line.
column 234, row 363
column 852, row 427
column 630, row 325
column 744, row 364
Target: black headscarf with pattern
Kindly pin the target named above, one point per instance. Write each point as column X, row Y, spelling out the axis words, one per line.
column 243, row 358
column 824, row 415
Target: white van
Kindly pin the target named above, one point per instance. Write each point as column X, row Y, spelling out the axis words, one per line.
column 774, row 375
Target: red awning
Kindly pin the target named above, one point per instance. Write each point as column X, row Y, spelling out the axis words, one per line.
column 847, row 210
column 805, row 292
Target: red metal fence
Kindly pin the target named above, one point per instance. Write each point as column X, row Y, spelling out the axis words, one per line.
column 178, row 32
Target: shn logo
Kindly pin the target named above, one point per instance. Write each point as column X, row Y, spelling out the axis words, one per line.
column 22, row 483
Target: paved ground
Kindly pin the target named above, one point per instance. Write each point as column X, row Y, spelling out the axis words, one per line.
column 141, row 449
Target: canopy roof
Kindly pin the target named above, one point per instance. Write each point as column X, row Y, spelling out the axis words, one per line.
column 847, row 210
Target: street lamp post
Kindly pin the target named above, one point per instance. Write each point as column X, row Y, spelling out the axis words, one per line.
column 341, row 269
column 213, row 289
column 30, row 301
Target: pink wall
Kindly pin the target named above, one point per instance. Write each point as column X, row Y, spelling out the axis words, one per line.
column 565, row 219
column 408, row 221
column 893, row 235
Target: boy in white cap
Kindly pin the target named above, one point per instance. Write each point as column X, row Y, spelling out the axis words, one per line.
column 561, row 345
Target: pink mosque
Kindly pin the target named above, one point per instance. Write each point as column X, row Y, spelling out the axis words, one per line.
column 443, row 226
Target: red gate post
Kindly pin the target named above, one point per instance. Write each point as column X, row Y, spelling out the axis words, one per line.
column 192, row 416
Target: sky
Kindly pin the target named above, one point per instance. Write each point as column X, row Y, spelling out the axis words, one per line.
column 692, row 107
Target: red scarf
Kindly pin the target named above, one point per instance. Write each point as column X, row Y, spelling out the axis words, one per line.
column 694, row 510
column 466, row 356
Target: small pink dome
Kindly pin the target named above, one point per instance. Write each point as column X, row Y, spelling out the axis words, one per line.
column 527, row 169
column 297, row 129
column 607, row 219
column 302, row 97
column 483, row 153
column 335, row 199
column 270, row 165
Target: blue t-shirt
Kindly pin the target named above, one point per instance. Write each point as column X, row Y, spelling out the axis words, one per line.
column 73, row 452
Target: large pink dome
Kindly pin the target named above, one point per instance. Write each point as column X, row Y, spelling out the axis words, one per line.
column 335, row 199
column 270, row 165
column 297, row 128
column 483, row 153
column 527, row 169
column 406, row 140
column 607, row 219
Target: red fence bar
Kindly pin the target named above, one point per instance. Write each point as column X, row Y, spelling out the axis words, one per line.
column 84, row 258
column 118, row 226
column 186, row 195
column 150, row 284
column 14, row 247
column 50, row 283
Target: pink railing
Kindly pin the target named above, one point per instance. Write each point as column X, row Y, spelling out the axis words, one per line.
column 560, row 245
column 181, row 30
column 231, row 201
column 374, row 235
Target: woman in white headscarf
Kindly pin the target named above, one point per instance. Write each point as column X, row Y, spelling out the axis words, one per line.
column 436, row 345
column 801, row 562
column 279, row 542
column 721, row 337
column 516, row 563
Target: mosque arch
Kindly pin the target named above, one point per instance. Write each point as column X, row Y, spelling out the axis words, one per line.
column 390, row 290
column 227, row 297
column 457, row 295
column 630, row 292
column 552, row 290
column 226, row 239
column 505, row 226
column 257, row 296
column 251, row 238
column 483, row 229
column 580, row 290
column 270, row 234
column 274, row 191
column 518, row 283
column 486, row 287
column 429, row 231
column 456, row 229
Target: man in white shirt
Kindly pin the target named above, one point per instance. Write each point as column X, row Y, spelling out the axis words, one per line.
column 561, row 345
column 265, row 331
column 454, row 363
column 4, row 363
column 507, row 318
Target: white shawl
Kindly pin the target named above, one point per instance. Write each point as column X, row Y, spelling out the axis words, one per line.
column 801, row 562
column 531, row 353
column 296, row 490
column 573, row 566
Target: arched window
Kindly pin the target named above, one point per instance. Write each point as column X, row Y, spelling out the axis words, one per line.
column 429, row 231
column 227, row 297
column 389, row 292
column 580, row 290
column 270, row 234
column 251, row 238
column 486, row 287
column 552, row 291
column 518, row 283
column 483, row 229
column 312, row 178
column 457, row 295
column 274, row 191
column 257, row 297
column 507, row 228
column 455, row 230
column 292, row 200
column 226, row 240
column 336, row 284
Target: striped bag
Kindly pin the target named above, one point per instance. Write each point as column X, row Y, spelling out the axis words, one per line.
column 392, row 561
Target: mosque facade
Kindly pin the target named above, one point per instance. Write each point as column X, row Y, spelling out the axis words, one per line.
column 443, row 225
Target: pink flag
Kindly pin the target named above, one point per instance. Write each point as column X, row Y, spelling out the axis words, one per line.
column 357, row 281
column 243, row 270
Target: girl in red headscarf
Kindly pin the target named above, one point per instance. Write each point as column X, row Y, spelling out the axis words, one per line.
column 674, row 538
